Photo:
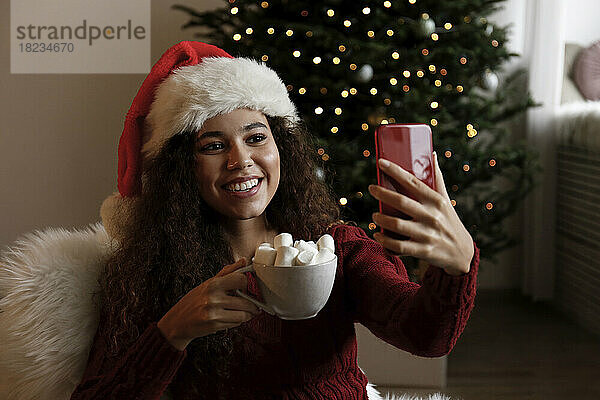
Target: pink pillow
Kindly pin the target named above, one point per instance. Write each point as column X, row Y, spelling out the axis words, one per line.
column 586, row 72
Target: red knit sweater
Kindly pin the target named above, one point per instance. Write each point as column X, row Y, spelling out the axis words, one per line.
column 314, row 358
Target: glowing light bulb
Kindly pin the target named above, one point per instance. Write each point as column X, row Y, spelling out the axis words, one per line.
column 342, row 48
column 463, row 60
column 343, row 201
column 438, row 83
column 264, row 4
column 338, row 111
column 237, row 37
column 270, row 31
column 249, row 31
column 265, row 57
column 390, row 32
column 344, row 93
column 393, row 81
column 373, row 91
column 434, row 36
column 347, row 23
column 234, row 10
column 302, row 90
column 365, row 127
column 336, row 60
column 387, row 4
column 448, row 26
column 318, row 110
column 296, row 53
column 406, row 74
column 330, row 13
column 425, row 52
column 395, row 55
column 334, row 129
column 434, row 104
column 317, row 60
column 353, row 91
column 366, row 10
column 433, row 122
column 371, row 34
column 420, row 73
column 289, row 32
column 353, row 67
column 432, row 68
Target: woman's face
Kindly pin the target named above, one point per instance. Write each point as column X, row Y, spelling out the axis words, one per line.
column 237, row 145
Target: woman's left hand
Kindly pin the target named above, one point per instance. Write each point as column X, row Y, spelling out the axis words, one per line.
column 437, row 236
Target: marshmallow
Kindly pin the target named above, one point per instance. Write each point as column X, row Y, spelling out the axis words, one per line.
column 304, row 257
column 265, row 255
column 288, row 252
column 302, row 245
column 285, row 256
column 283, row 239
column 322, row 256
column 326, row 242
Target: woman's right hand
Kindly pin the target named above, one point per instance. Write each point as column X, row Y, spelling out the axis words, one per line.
column 209, row 308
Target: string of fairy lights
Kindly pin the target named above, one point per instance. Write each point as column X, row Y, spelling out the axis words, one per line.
column 427, row 26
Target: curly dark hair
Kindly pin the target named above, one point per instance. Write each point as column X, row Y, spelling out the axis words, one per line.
column 176, row 243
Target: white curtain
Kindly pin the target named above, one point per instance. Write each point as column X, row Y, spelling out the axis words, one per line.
column 545, row 46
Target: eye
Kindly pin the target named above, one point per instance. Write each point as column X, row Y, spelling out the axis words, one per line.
column 259, row 136
column 210, row 147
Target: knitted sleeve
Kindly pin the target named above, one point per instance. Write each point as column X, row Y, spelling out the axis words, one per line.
column 425, row 320
column 144, row 372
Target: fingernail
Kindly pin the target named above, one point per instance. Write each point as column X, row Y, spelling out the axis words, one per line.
column 384, row 163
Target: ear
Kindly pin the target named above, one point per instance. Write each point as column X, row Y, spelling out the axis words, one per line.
column 440, row 186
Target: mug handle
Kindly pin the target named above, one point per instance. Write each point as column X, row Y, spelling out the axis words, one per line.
column 263, row 306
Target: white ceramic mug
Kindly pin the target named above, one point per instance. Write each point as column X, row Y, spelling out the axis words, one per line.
column 293, row 292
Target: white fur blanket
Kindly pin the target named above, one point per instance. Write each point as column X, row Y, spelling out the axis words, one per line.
column 48, row 317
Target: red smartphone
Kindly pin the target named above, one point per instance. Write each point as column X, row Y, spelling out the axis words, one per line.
column 411, row 147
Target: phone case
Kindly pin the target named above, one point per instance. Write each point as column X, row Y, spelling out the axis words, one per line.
column 411, row 147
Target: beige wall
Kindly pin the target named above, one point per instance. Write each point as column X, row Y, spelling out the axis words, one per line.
column 59, row 133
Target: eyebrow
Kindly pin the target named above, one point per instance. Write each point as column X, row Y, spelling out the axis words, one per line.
column 246, row 128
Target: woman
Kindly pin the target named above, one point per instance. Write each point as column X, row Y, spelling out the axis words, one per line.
column 170, row 321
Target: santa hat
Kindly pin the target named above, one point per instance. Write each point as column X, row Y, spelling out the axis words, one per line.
column 190, row 83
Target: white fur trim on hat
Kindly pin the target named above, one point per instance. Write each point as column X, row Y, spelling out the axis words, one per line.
column 192, row 94
column 117, row 214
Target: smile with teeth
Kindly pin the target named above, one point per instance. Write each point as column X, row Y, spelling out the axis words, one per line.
column 242, row 187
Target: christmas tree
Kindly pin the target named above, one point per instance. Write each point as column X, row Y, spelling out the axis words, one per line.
column 352, row 65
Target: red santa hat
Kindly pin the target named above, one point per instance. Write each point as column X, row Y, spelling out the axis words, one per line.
column 190, row 83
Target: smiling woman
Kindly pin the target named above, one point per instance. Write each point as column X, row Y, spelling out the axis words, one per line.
column 213, row 161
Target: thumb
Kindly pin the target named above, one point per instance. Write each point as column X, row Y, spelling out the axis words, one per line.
column 439, row 179
column 240, row 263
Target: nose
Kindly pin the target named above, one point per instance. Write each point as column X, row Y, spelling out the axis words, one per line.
column 239, row 157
